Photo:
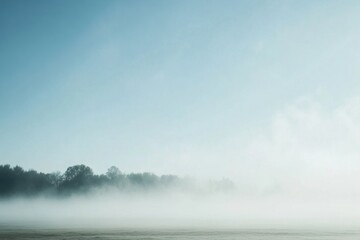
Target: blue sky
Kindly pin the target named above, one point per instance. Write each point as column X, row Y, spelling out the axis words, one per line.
column 165, row 86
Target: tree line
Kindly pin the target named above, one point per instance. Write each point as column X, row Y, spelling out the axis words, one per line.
column 15, row 181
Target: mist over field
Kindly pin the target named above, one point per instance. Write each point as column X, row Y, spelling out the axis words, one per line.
column 234, row 114
column 78, row 198
column 296, row 181
column 177, row 209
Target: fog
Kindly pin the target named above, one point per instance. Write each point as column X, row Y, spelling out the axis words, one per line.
column 238, row 114
column 300, row 172
column 177, row 209
column 200, row 206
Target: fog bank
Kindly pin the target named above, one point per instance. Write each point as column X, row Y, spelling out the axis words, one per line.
column 177, row 209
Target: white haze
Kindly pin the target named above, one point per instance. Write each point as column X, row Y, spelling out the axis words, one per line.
column 178, row 210
column 304, row 170
column 310, row 150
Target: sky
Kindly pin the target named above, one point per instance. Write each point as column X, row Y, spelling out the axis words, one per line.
column 262, row 92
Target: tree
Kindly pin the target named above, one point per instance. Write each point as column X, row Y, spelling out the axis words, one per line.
column 78, row 172
column 113, row 173
column 78, row 177
column 55, row 178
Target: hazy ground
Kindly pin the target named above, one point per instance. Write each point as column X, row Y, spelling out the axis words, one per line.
column 180, row 234
column 179, row 214
column 178, row 209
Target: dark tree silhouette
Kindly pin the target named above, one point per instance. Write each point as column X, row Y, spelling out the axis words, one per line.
column 15, row 181
column 113, row 173
column 77, row 178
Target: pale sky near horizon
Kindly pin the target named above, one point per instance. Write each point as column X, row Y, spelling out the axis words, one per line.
column 208, row 88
